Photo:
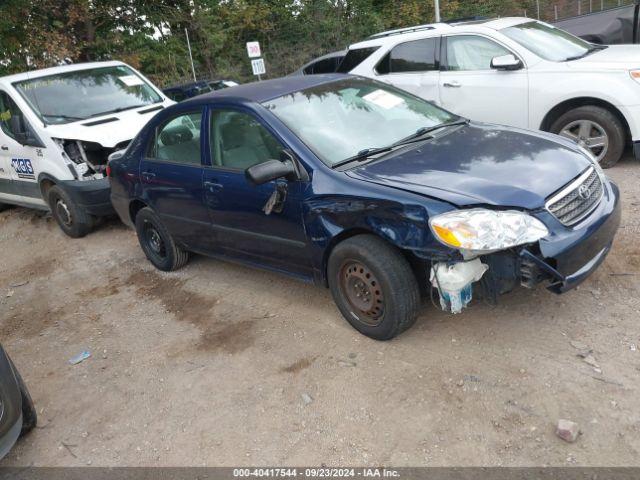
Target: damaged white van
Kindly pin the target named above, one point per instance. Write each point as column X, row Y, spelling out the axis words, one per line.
column 57, row 129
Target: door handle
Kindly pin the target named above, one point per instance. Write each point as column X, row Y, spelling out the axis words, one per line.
column 148, row 175
column 453, row 84
column 213, row 186
column 4, row 147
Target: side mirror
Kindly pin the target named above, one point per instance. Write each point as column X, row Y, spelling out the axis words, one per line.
column 506, row 62
column 270, row 170
column 117, row 155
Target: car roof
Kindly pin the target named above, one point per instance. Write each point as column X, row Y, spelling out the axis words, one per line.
column 56, row 70
column 268, row 89
column 433, row 29
column 183, row 86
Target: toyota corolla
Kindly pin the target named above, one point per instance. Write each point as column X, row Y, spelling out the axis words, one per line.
column 379, row 195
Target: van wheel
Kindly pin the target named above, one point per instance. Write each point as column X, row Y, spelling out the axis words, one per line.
column 73, row 219
column 596, row 129
column 373, row 286
column 157, row 243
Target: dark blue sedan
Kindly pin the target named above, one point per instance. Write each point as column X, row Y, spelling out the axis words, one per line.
column 358, row 186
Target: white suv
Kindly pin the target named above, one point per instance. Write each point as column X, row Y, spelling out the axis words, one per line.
column 518, row 72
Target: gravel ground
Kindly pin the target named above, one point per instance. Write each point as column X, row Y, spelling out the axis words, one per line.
column 222, row 365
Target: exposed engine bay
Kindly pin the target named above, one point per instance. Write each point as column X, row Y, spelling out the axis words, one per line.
column 87, row 160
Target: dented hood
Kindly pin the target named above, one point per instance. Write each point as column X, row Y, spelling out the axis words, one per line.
column 108, row 130
column 480, row 164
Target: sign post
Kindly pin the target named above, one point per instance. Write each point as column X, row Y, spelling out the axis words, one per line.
column 257, row 63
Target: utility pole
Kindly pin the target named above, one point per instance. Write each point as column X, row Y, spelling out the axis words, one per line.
column 193, row 70
column 436, row 6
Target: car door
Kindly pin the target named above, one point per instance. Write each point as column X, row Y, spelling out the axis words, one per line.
column 245, row 226
column 18, row 163
column 414, row 67
column 171, row 175
column 471, row 88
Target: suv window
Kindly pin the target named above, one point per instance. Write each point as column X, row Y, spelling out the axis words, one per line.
column 355, row 57
column 416, row 56
column 178, row 140
column 9, row 110
column 470, row 52
column 239, row 141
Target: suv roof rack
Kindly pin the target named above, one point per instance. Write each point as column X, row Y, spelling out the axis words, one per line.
column 417, row 28
column 472, row 19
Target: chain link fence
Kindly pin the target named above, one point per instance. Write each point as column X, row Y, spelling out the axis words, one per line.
column 550, row 11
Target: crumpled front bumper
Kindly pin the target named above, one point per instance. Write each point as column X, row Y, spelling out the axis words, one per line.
column 568, row 256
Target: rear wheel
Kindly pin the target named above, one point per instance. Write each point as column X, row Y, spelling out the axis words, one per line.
column 157, row 243
column 596, row 129
column 72, row 219
column 373, row 286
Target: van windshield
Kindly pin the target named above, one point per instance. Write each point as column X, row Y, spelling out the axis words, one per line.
column 82, row 94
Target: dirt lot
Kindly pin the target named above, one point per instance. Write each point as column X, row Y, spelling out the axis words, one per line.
column 209, row 365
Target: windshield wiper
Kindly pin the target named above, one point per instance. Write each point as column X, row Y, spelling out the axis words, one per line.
column 363, row 155
column 421, row 132
column 119, row 109
column 66, row 117
column 588, row 52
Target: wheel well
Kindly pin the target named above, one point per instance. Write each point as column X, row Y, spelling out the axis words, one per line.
column 567, row 105
column 45, row 186
column 418, row 265
column 134, row 208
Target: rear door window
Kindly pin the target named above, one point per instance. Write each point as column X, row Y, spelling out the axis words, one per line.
column 178, row 140
column 416, row 56
column 355, row 57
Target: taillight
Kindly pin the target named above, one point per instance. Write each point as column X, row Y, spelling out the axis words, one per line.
column 108, row 170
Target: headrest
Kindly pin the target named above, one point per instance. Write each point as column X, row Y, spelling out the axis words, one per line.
column 176, row 135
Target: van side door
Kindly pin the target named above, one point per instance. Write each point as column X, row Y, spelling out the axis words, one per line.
column 18, row 162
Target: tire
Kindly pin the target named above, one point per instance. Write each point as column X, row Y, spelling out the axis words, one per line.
column 72, row 219
column 3, row 206
column 29, row 413
column 599, row 119
column 389, row 299
column 157, row 243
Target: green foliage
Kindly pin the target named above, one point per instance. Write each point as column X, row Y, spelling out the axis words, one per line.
column 151, row 35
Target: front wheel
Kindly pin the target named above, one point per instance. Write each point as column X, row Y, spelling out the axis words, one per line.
column 373, row 286
column 596, row 129
column 157, row 243
column 72, row 218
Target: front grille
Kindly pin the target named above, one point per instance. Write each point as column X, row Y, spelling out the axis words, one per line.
column 578, row 199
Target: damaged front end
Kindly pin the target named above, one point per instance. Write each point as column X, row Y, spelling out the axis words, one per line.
column 87, row 160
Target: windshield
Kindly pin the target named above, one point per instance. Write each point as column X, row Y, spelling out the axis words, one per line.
column 72, row 96
column 548, row 42
column 340, row 119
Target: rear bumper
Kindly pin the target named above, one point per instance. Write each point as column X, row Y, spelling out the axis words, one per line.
column 570, row 256
column 92, row 195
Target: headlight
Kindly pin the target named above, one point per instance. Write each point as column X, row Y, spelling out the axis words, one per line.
column 485, row 231
column 635, row 75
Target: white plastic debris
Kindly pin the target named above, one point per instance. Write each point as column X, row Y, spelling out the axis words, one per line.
column 454, row 282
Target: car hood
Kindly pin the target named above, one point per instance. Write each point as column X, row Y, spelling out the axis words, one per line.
column 480, row 164
column 107, row 130
column 614, row 57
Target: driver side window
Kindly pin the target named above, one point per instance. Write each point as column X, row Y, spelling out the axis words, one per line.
column 10, row 115
column 239, row 141
column 470, row 52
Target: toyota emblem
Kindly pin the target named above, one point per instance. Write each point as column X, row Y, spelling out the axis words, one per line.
column 584, row 192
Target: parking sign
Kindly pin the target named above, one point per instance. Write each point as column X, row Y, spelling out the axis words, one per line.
column 258, row 66
column 253, row 49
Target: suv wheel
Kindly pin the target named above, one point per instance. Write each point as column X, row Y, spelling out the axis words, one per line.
column 596, row 129
column 72, row 219
column 157, row 243
column 373, row 286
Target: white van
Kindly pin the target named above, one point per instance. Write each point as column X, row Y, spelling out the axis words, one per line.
column 57, row 129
